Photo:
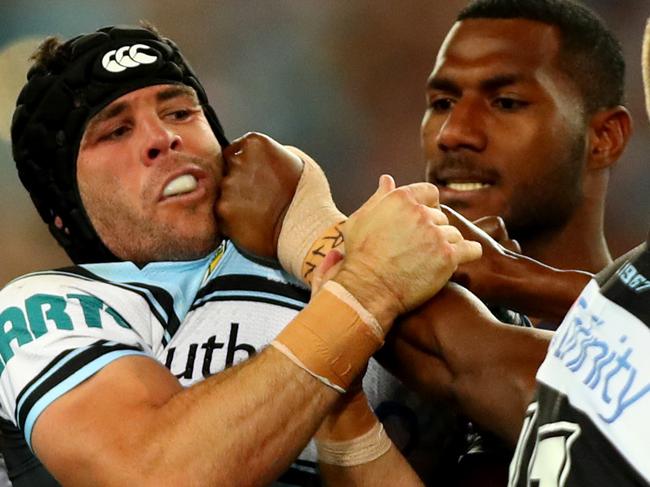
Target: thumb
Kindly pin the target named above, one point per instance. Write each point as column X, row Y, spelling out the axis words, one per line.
column 385, row 186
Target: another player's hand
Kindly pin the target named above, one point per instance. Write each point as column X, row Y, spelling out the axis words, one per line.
column 425, row 347
column 400, row 249
column 479, row 275
column 495, row 227
column 260, row 180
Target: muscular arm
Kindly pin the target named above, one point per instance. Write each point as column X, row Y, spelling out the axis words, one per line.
column 453, row 348
column 533, row 288
column 133, row 424
column 506, row 278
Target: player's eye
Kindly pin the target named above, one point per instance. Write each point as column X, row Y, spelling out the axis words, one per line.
column 441, row 104
column 116, row 133
column 507, row 103
column 180, row 114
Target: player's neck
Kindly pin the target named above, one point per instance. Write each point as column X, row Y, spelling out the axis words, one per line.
column 580, row 245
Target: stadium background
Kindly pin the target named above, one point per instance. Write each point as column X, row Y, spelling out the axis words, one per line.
column 343, row 80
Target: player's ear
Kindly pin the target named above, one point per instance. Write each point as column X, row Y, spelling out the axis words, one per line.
column 609, row 131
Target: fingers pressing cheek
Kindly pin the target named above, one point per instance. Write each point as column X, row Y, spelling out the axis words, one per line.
column 494, row 226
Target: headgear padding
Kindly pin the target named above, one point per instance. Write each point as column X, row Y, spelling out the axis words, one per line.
column 53, row 108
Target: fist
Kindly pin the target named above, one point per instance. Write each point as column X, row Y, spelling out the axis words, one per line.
column 401, row 250
column 260, row 179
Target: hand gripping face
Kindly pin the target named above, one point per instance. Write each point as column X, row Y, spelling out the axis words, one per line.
column 88, row 73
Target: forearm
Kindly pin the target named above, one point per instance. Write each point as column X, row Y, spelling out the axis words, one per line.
column 384, row 465
column 243, row 426
column 268, row 410
column 494, row 385
column 454, row 349
column 533, row 288
column 386, row 471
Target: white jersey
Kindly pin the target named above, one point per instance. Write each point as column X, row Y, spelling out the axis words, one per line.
column 588, row 425
column 197, row 318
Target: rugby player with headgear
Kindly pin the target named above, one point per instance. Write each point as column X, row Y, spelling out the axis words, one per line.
column 112, row 370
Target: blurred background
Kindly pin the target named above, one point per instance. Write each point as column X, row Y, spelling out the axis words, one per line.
column 343, row 80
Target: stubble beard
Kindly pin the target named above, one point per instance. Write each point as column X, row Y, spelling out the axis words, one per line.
column 141, row 238
column 544, row 207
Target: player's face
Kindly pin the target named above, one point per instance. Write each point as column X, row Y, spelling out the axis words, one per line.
column 504, row 132
column 148, row 170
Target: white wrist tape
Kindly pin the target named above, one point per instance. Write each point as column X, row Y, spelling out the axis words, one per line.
column 360, row 450
column 311, row 212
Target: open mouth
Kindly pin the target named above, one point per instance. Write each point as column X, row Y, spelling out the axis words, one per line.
column 465, row 185
column 183, row 184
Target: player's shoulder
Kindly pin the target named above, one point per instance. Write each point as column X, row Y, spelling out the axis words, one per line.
column 628, row 284
column 47, row 281
column 169, row 287
column 234, row 274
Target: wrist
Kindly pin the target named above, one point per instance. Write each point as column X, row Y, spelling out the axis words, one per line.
column 309, row 215
column 505, row 278
column 332, row 338
column 537, row 289
column 370, row 293
column 351, row 435
column 350, row 418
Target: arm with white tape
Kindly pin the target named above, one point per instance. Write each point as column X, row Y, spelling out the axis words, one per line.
column 354, row 449
column 139, row 416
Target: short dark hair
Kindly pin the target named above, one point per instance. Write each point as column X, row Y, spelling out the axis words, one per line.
column 590, row 54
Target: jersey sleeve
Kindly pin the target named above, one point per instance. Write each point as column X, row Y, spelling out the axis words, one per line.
column 58, row 330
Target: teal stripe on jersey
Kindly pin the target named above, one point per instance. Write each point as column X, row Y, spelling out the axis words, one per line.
column 26, row 392
column 69, row 384
column 181, row 280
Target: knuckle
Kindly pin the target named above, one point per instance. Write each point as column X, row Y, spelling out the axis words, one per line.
column 433, row 189
column 402, row 192
column 446, row 253
column 439, row 216
column 255, row 139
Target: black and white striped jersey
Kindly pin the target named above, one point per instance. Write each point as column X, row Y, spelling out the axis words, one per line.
column 588, row 425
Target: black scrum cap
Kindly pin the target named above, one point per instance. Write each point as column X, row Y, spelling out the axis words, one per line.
column 58, row 100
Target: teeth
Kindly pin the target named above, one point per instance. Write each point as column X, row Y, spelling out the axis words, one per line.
column 180, row 185
column 467, row 186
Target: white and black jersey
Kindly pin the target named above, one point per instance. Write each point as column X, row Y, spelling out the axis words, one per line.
column 589, row 424
column 197, row 318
